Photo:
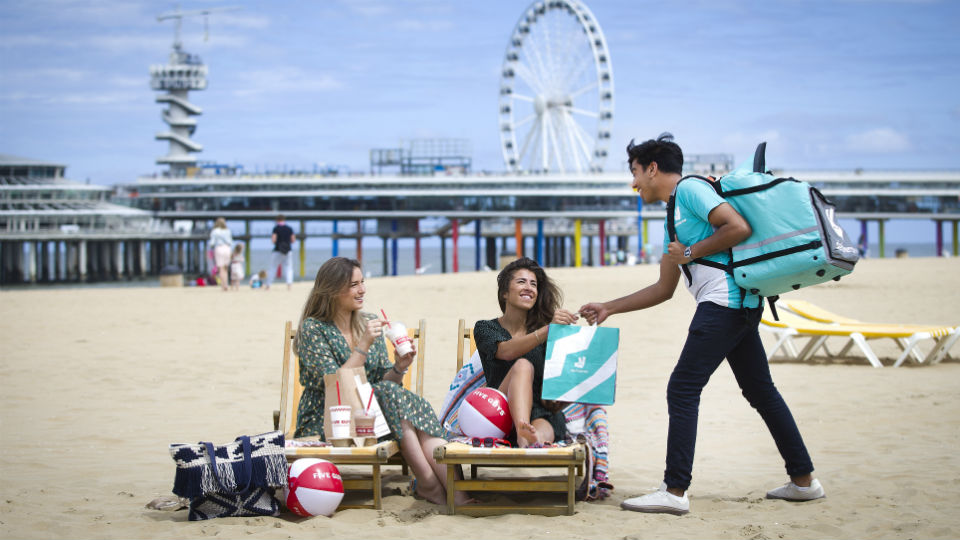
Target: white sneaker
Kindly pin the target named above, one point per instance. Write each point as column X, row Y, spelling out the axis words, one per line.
column 795, row 493
column 659, row 502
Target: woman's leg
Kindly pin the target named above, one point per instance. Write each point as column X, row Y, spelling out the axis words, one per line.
column 544, row 429
column 518, row 387
column 429, row 443
column 224, row 283
column 429, row 485
column 417, row 448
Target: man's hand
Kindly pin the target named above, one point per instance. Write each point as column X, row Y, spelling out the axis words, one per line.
column 594, row 313
column 675, row 253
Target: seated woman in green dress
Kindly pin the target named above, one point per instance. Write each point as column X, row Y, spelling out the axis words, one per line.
column 334, row 333
column 512, row 348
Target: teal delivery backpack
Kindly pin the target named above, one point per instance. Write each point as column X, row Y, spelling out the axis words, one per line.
column 796, row 240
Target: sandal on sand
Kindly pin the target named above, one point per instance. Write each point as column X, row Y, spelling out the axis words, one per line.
column 168, row 503
column 412, row 490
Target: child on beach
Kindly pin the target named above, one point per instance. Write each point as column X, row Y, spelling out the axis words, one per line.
column 237, row 263
column 257, row 280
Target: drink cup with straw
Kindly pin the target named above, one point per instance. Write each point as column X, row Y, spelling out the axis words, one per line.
column 340, row 418
column 397, row 333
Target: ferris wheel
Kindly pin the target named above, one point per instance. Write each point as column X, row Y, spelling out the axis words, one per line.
column 556, row 91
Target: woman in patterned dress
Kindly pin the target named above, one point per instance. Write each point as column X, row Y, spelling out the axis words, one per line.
column 512, row 348
column 334, row 333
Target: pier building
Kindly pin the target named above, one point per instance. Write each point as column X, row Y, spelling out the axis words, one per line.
column 55, row 230
column 550, row 217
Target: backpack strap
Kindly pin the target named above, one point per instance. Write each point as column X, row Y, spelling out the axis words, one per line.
column 672, row 230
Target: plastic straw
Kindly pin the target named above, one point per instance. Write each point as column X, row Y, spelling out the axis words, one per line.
column 369, row 401
column 385, row 319
column 338, row 393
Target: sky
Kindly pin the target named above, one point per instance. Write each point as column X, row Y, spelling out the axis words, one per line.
column 838, row 84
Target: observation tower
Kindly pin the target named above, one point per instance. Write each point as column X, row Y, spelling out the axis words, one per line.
column 182, row 73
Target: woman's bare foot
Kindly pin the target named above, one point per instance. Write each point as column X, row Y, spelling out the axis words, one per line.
column 435, row 494
column 526, row 434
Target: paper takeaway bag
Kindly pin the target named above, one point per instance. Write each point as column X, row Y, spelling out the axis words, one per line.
column 354, row 391
column 581, row 364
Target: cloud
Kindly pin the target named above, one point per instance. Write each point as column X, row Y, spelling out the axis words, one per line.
column 284, row 80
column 878, row 141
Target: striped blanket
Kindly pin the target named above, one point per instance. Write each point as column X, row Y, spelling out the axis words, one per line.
column 583, row 420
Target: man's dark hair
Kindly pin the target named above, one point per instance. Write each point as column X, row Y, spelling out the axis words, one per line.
column 663, row 150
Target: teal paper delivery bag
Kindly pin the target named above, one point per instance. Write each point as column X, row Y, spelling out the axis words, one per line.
column 581, row 364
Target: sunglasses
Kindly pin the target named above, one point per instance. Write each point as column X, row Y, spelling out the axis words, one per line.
column 489, row 442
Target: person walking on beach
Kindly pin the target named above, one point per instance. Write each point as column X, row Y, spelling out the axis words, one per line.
column 724, row 326
column 221, row 241
column 283, row 239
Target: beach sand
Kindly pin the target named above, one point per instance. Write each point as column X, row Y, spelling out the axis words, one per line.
column 96, row 382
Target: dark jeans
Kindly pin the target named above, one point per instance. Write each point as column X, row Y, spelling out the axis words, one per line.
column 716, row 333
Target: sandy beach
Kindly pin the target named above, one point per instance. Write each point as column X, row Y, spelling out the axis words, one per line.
column 96, row 382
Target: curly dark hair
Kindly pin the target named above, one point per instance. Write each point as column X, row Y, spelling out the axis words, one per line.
column 549, row 297
column 663, row 150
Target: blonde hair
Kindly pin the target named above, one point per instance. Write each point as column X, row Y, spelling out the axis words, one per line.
column 220, row 223
column 332, row 278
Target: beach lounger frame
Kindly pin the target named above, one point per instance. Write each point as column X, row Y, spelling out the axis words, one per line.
column 376, row 456
column 799, row 319
column 569, row 459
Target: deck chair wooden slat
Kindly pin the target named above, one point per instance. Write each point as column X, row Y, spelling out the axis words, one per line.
column 375, row 456
column 569, row 460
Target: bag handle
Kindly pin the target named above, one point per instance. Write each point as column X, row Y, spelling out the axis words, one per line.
column 247, row 466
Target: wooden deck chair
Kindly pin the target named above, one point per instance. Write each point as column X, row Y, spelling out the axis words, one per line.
column 569, row 459
column 384, row 453
column 792, row 326
column 944, row 337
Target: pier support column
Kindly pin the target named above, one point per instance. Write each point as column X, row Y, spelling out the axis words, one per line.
column 443, row 254
column 641, row 237
column 31, row 270
column 455, row 231
column 246, row 251
column 302, row 237
column 603, row 242
column 335, row 245
column 82, row 261
column 645, row 238
column 577, row 239
column 117, row 251
column 538, row 250
column 142, row 258
column 360, row 241
column 883, row 240
column 44, row 261
column 518, row 236
column 938, row 224
column 492, row 261
column 394, row 244
column 416, row 246
column 386, row 256
column 956, row 243
column 476, row 244
column 589, row 251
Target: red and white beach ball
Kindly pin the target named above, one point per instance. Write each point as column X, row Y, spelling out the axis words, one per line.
column 485, row 413
column 314, row 488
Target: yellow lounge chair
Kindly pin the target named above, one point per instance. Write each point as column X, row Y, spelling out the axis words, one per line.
column 944, row 337
column 384, row 453
column 455, row 454
column 792, row 325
